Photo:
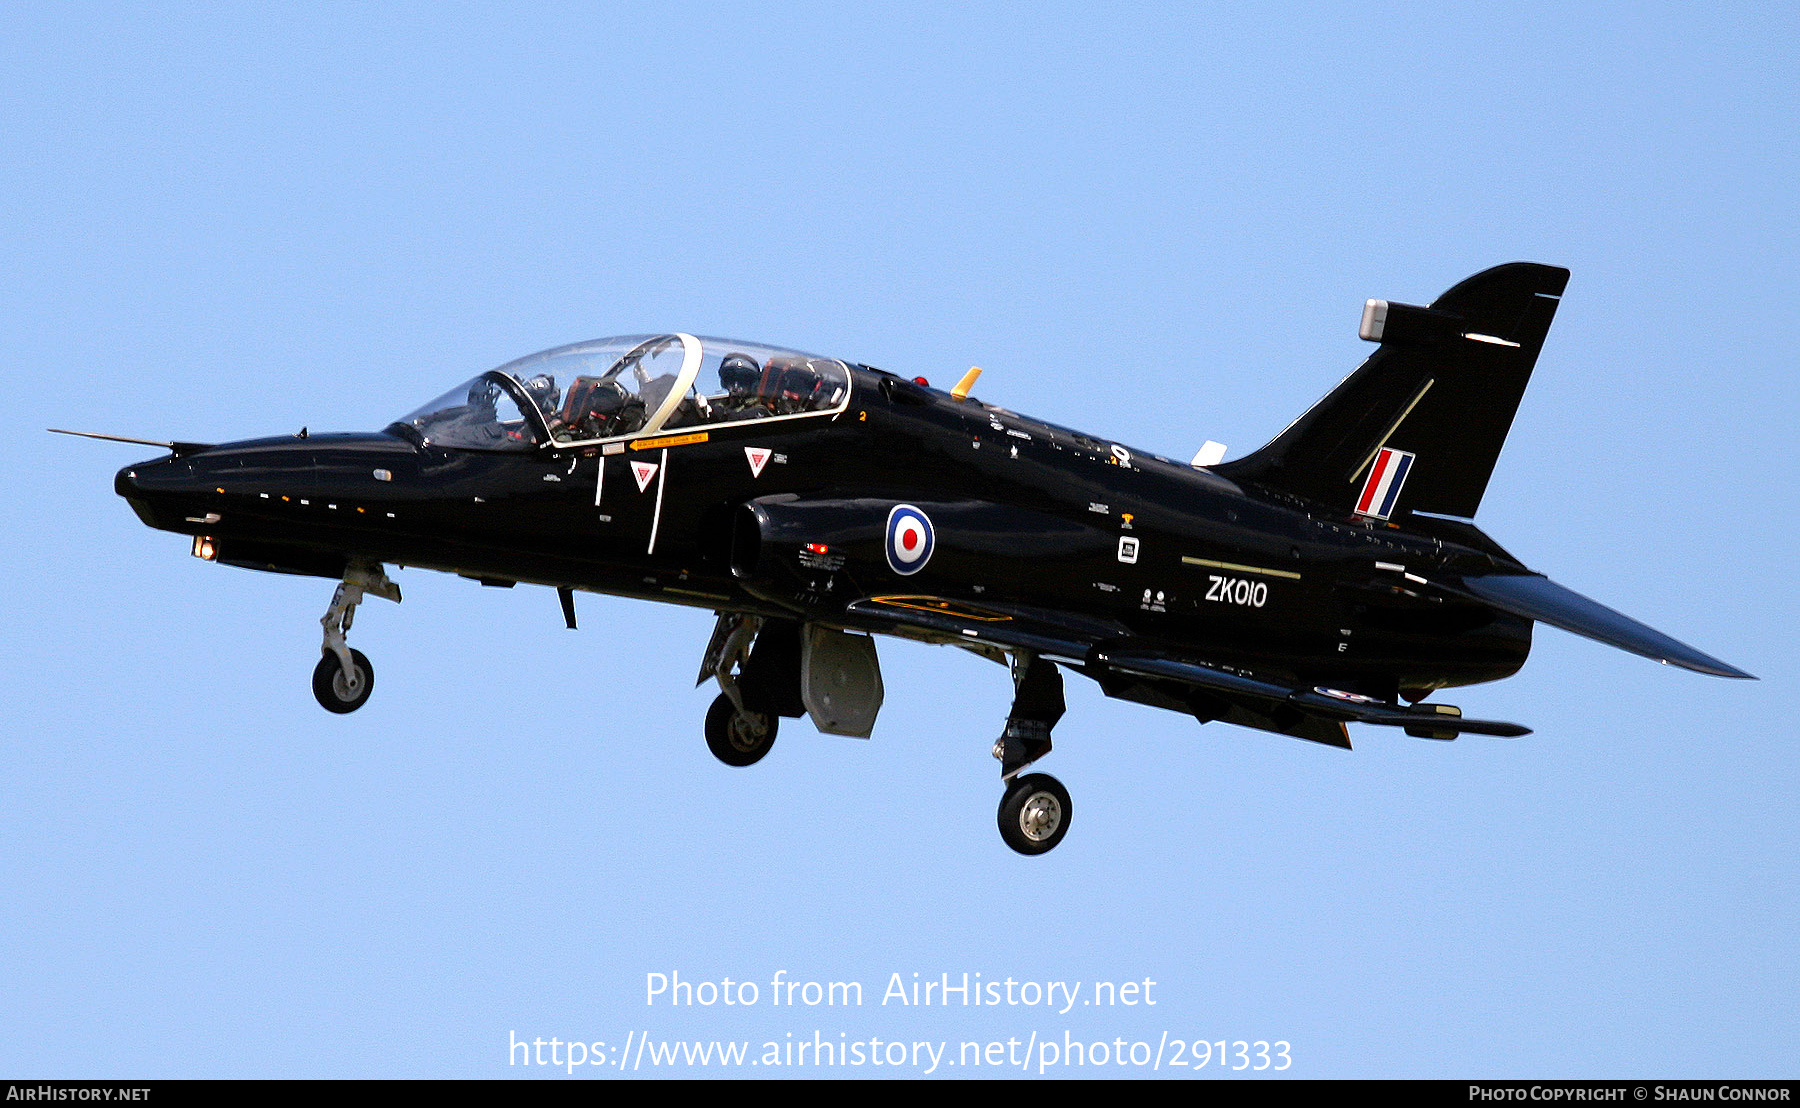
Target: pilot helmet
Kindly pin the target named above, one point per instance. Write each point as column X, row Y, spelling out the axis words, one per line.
column 542, row 390
column 739, row 373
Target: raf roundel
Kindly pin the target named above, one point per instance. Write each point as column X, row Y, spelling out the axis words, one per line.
column 909, row 539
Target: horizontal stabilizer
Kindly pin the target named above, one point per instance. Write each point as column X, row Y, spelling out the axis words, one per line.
column 1537, row 597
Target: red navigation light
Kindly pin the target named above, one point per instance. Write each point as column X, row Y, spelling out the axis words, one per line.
column 921, row 381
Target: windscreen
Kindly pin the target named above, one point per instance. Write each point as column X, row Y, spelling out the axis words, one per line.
column 480, row 414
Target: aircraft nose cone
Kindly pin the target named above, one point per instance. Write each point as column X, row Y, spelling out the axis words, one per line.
column 126, row 483
column 163, row 475
column 157, row 490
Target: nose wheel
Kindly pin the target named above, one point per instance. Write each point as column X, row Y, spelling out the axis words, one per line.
column 340, row 690
column 1034, row 813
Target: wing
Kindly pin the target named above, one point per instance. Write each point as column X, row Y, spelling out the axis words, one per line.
column 1106, row 652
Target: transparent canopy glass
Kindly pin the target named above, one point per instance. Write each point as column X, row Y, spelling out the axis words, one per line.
column 743, row 381
column 480, row 414
column 629, row 385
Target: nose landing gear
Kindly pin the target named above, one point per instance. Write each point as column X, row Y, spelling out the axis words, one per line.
column 344, row 678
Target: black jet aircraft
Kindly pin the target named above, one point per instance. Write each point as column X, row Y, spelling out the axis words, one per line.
column 1331, row 577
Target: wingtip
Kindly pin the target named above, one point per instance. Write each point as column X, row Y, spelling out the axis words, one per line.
column 1734, row 673
column 1710, row 666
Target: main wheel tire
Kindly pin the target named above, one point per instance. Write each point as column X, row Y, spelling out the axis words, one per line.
column 337, row 692
column 1034, row 813
column 735, row 738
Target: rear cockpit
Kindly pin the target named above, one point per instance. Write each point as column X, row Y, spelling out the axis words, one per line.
column 623, row 387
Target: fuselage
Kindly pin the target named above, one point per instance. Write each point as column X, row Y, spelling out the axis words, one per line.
column 724, row 514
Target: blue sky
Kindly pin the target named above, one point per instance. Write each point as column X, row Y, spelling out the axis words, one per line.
column 1155, row 222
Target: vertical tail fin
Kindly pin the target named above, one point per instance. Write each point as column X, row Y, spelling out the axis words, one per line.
column 1420, row 424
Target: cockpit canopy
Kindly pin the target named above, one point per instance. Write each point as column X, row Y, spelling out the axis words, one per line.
column 631, row 385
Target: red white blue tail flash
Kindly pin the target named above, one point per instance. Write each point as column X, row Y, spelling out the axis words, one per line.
column 1382, row 490
column 909, row 539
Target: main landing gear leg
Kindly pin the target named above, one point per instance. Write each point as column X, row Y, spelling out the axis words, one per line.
column 1037, row 705
column 735, row 735
column 343, row 679
column 1034, row 809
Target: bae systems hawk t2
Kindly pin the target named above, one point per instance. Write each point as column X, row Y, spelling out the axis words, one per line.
column 1333, row 576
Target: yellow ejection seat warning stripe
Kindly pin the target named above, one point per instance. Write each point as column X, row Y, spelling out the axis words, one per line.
column 669, row 440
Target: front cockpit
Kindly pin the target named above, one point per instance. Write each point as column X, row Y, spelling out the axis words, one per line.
column 486, row 413
column 616, row 388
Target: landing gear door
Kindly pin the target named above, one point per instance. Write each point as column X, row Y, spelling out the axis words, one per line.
column 840, row 681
